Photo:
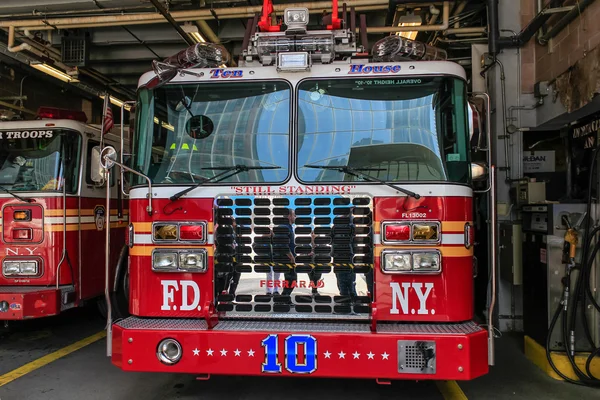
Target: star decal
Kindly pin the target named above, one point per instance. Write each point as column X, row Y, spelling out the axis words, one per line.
column 341, row 354
column 327, row 354
column 356, row 355
column 237, row 352
column 209, row 352
column 223, row 352
column 370, row 355
column 196, row 352
column 250, row 353
column 385, row 356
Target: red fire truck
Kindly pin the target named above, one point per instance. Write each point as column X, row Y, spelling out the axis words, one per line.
column 53, row 215
column 308, row 212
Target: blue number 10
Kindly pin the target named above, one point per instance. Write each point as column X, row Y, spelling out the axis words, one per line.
column 292, row 363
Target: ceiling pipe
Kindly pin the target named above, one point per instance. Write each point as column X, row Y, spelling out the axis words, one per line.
column 75, row 12
column 461, row 6
column 526, row 33
column 422, row 28
column 163, row 11
column 566, row 20
column 494, row 30
column 11, row 42
column 180, row 16
column 207, row 31
column 469, row 29
column 224, row 16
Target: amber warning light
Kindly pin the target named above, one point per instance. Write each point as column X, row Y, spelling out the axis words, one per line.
column 22, row 215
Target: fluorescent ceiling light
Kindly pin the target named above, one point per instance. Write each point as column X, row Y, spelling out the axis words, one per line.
column 45, row 68
column 409, row 19
column 117, row 102
column 164, row 124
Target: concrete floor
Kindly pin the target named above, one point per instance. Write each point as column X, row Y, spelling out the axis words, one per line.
column 87, row 374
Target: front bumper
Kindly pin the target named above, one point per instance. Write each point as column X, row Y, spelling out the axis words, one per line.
column 18, row 303
column 320, row 349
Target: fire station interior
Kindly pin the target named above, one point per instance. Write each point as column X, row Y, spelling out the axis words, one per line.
column 531, row 80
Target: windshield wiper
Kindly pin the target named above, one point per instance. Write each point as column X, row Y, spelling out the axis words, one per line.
column 16, row 196
column 227, row 172
column 359, row 174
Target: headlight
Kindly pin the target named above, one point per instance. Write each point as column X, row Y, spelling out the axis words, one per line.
column 11, row 268
column 164, row 261
column 192, row 262
column 295, row 16
column 184, row 260
column 426, row 262
column 411, row 262
column 29, row 268
column 20, row 268
column 397, row 262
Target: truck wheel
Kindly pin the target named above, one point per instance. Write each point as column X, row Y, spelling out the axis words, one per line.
column 102, row 308
column 120, row 293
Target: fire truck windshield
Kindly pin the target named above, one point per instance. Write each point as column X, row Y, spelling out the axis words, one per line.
column 408, row 128
column 39, row 160
column 185, row 133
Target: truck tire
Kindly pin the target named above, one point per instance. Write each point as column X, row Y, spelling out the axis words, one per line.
column 120, row 292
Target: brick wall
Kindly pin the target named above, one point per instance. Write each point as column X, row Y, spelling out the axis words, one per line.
column 546, row 63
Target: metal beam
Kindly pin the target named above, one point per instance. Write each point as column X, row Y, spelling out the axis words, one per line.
column 163, row 11
column 316, row 7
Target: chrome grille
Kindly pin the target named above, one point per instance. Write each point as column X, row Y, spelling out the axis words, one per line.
column 263, row 243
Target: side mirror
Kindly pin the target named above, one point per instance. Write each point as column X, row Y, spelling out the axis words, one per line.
column 96, row 172
column 479, row 172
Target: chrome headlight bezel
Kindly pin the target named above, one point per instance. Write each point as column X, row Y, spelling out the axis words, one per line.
column 178, row 255
column 176, row 227
column 436, row 225
column 18, row 265
column 411, row 255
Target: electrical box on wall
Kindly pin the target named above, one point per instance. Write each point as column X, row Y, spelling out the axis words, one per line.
column 541, row 89
column 531, row 193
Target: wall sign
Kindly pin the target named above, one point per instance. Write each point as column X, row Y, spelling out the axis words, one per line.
column 539, row 161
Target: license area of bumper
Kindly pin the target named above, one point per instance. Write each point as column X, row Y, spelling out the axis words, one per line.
column 395, row 351
column 27, row 302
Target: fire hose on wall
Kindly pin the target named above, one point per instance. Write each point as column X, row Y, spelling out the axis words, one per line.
column 582, row 295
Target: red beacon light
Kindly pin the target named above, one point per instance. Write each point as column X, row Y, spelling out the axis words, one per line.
column 396, row 232
column 61, row 113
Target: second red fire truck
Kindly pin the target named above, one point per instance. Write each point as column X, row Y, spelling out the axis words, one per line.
column 308, row 212
column 53, row 215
